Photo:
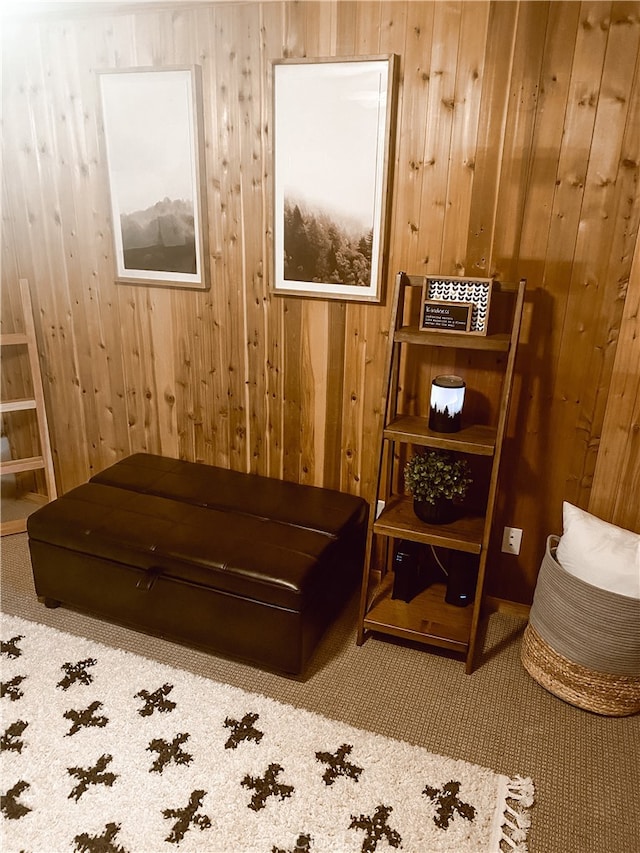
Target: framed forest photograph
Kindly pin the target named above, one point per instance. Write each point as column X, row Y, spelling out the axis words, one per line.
column 152, row 139
column 333, row 122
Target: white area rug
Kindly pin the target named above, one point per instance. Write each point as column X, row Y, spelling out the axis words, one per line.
column 107, row 752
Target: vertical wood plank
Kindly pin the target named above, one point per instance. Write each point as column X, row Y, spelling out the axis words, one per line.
column 272, row 33
column 516, row 159
column 493, row 109
column 465, row 106
column 228, row 293
column 440, row 108
column 318, row 42
column 409, row 251
column 367, row 37
column 252, row 190
column 394, row 18
column 294, row 32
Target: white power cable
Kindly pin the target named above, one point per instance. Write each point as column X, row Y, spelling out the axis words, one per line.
column 435, row 557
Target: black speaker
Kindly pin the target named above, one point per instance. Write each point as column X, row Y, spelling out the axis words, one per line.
column 415, row 568
column 408, row 560
column 462, row 577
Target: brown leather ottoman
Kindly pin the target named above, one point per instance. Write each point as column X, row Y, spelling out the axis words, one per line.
column 236, row 564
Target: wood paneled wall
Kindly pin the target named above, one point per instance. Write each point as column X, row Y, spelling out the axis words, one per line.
column 517, row 156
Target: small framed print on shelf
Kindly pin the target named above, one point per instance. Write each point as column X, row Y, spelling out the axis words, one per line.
column 439, row 316
column 455, row 304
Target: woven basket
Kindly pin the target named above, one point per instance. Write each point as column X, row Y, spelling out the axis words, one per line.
column 582, row 643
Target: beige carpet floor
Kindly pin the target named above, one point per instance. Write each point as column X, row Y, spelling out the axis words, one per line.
column 586, row 768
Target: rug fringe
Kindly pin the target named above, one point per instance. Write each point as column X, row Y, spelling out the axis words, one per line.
column 516, row 822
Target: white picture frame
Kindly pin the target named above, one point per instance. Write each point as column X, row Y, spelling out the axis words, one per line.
column 333, row 135
column 152, row 139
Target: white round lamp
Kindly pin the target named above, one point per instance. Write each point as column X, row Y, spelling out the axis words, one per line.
column 447, row 400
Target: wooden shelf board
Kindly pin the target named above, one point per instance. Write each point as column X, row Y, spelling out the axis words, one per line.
column 426, row 619
column 398, row 520
column 476, row 438
column 459, row 340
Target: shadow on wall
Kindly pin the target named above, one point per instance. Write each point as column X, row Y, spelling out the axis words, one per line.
column 531, row 464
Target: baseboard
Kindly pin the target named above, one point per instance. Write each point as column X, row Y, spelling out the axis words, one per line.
column 503, row 605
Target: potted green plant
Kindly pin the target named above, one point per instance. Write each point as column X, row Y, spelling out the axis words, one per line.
column 438, row 481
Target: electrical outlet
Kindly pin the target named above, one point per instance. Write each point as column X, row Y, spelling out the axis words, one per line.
column 511, row 540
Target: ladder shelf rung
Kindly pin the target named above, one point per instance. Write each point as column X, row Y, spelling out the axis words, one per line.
column 16, row 525
column 13, row 339
column 18, row 466
column 18, row 405
column 44, row 461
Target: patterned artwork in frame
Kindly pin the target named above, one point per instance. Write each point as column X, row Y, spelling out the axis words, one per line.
column 458, row 291
column 153, row 147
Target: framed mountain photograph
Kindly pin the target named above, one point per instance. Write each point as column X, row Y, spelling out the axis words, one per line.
column 333, row 123
column 152, row 139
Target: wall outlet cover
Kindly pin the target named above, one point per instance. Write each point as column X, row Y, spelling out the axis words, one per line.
column 511, row 540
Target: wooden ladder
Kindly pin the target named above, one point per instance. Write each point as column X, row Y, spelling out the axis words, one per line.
column 43, row 461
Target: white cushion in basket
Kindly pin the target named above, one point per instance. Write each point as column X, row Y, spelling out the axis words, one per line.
column 599, row 553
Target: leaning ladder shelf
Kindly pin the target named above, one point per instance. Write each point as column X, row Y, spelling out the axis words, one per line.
column 427, row 619
column 43, row 459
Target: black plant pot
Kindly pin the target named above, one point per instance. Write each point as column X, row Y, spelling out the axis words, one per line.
column 441, row 512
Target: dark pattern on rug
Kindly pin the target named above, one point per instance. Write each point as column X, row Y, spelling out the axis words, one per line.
column 11, row 738
column 9, row 804
column 85, row 843
column 266, row 786
column 187, row 817
column 156, row 701
column 243, row 730
column 303, row 845
column 448, row 804
column 77, row 673
column 376, row 828
column 169, row 751
column 12, row 689
column 84, row 718
column 88, row 776
column 338, row 765
column 10, row 647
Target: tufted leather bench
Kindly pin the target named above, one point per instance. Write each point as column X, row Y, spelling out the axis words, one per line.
column 237, row 564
